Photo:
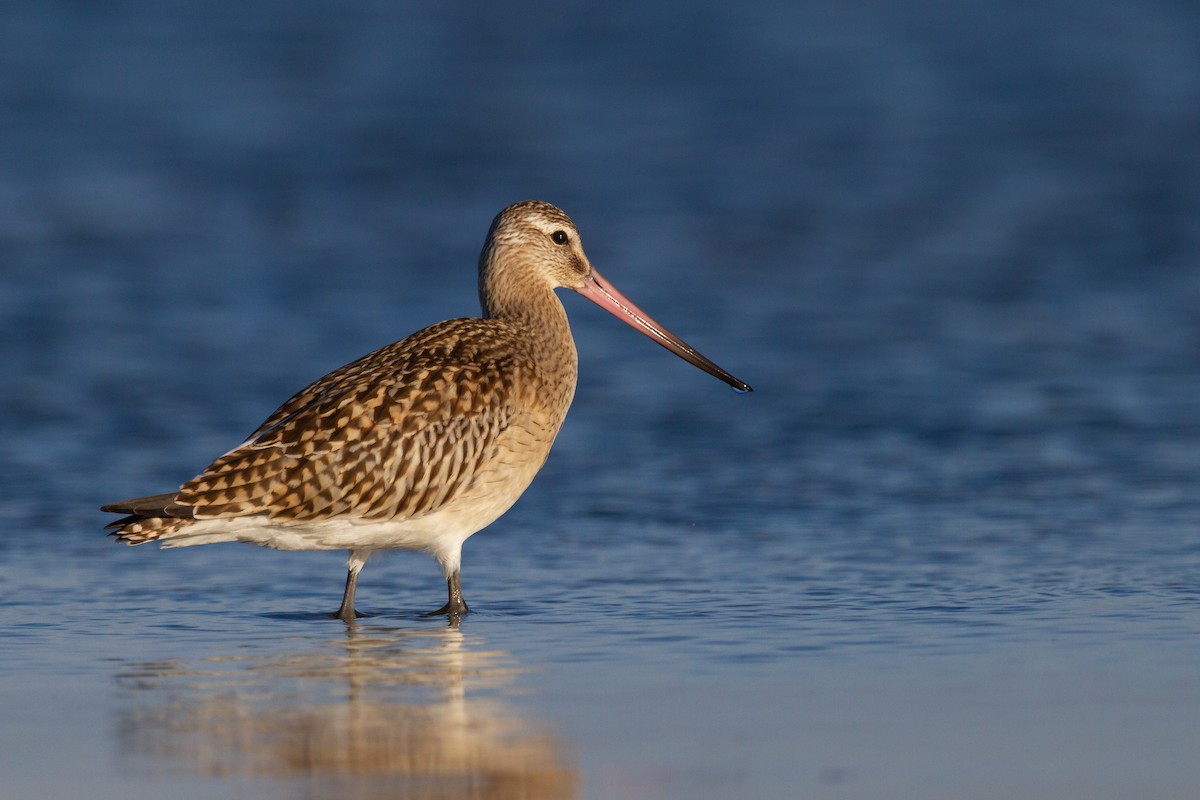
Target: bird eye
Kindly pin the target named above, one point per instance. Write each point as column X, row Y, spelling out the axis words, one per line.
column 559, row 237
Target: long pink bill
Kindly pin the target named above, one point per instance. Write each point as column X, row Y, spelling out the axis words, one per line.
column 602, row 293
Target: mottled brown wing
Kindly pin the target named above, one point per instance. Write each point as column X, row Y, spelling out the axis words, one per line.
column 397, row 434
column 323, row 385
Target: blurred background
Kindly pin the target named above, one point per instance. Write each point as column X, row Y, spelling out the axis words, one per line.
column 279, row 187
column 953, row 246
column 870, row 212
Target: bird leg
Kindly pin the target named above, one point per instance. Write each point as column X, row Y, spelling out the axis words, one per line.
column 455, row 605
column 353, row 566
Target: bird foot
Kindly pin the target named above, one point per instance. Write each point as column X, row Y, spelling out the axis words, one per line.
column 449, row 610
column 455, row 605
column 347, row 616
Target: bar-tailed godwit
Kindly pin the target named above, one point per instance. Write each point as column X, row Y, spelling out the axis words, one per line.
column 423, row 442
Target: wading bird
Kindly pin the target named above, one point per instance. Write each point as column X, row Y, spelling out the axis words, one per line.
column 421, row 443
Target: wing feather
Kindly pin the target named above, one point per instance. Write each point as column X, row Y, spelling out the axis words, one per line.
column 397, row 434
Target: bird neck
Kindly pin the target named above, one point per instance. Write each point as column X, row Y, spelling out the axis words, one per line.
column 513, row 292
column 521, row 299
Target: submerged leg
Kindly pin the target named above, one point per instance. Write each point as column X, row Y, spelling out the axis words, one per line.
column 354, row 566
column 455, row 605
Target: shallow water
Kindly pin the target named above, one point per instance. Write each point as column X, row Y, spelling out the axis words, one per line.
column 950, row 547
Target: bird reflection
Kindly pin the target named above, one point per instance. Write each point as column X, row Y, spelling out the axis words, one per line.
column 382, row 713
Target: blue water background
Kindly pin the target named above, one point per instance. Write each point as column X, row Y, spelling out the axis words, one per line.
column 949, row 547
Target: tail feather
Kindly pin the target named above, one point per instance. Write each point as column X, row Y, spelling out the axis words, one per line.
column 156, row 505
column 148, row 518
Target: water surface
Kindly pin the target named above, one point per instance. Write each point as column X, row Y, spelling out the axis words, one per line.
column 950, row 547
